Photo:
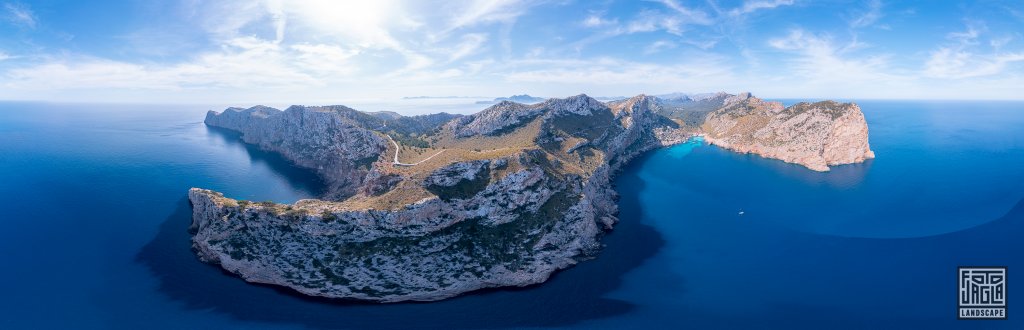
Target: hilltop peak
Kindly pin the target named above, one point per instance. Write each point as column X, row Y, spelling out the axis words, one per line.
column 579, row 104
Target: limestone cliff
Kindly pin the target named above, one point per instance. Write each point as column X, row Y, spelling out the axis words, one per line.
column 815, row 135
column 429, row 207
column 325, row 139
column 337, row 142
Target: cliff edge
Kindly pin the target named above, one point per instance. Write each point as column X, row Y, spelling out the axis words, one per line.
column 816, row 135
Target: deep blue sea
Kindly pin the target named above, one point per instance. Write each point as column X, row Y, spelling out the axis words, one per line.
column 93, row 231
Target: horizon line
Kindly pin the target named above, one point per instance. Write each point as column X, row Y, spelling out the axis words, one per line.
column 399, row 99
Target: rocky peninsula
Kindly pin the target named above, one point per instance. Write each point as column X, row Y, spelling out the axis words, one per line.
column 815, row 135
column 428, row 207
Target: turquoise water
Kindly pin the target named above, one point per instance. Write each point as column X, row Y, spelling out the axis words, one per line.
column 94, row 230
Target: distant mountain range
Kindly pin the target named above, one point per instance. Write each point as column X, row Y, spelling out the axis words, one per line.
column 422, row 97
column 524, row 98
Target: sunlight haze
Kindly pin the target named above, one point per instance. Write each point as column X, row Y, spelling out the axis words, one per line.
column 317, row 51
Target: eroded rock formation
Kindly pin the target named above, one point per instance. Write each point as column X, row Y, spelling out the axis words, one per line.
column 816, row 135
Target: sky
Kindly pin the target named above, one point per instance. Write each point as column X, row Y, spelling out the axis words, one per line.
column 322, row 51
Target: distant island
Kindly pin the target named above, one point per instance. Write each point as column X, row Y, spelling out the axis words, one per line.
column 428, row 207
column 514, row 98
column 438, row 97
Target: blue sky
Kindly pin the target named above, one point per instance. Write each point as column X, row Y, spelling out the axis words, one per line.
column 321, row 51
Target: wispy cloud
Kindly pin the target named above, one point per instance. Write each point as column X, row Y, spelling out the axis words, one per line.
column 471, row 43
column 751, row 6
column 367, row 24
column 950, row 63
column 20, row 15
column 964, row 57
column 330, row 60
column 649, row 21
column 595, row 20
column 688, row 15
column 998, row 43
column 818, row 58
column 658, row 46
column 710, row 71
column 487, row 11
column 869, row 16
column 828, row 67
column 243, row 63
column 674, row 21
column 967, row 37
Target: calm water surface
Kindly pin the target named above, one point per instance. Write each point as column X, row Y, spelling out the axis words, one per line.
column 94, row 230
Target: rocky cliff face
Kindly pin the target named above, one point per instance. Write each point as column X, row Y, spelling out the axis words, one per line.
column 494, row 212
column 326, row 139
column 815, row 135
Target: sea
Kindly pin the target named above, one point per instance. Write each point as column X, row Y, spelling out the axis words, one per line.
column 94, row 219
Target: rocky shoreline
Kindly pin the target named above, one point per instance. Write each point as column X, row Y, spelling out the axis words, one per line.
column 815, row 135
column 520, row 192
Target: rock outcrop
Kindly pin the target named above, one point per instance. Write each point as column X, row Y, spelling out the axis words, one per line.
column 493, row 211
column 326, row 139
column 499, row 118
column 815, row 135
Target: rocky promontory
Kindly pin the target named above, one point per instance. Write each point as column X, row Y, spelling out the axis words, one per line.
column 815, row 135
column 428, row 207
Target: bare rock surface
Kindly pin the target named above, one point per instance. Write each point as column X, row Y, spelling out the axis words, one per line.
column 815, row 135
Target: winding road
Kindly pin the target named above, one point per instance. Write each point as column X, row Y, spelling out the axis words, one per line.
column 398, row 163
